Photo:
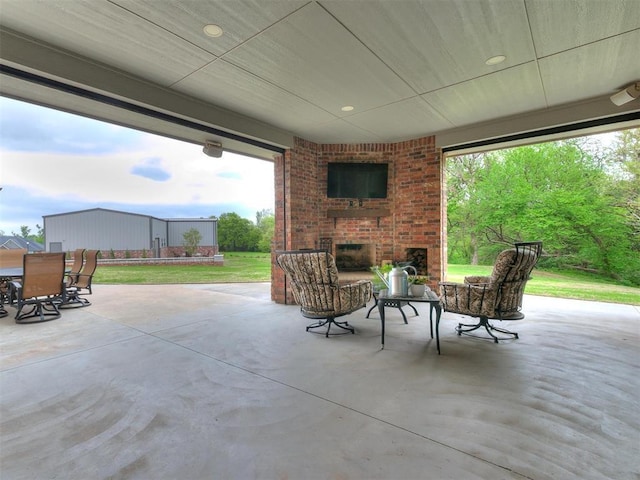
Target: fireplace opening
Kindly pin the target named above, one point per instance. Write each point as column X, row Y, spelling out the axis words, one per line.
column 355, row 257
column 418, row 259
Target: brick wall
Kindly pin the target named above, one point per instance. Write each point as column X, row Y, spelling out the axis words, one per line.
column 414, row 201
column 203, row 251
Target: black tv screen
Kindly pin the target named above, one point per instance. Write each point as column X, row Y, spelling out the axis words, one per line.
column 357, row 180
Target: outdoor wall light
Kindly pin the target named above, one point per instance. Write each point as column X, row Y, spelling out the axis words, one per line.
column 629, row 93
column 213, row 149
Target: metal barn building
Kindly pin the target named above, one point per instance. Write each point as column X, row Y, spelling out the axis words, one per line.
column 125, row 233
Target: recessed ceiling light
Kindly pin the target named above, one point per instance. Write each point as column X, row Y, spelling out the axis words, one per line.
column 496, row 60
column 213, row 30
column 347, row 108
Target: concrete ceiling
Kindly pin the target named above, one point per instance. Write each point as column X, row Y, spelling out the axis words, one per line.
column 285, row 68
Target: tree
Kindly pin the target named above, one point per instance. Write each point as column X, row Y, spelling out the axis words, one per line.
column 626, row 155
column 265, row 222
column 236, row 233
column 262, row 215
column 191, row 240
column 560, row 193
column 39, row 237
column 626, row 194
column 462, row 176
column 25, row 232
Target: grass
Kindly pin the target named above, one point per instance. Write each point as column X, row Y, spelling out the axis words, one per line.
column 561, row 284
column 240, row 267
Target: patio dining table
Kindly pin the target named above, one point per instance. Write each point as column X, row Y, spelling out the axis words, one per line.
column 11, row 272
column 6, row 275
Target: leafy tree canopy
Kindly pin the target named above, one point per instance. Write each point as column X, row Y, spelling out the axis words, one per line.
column 241, row 235
column 583, row 204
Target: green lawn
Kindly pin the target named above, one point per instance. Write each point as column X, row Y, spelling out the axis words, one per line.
column 256, row 267
column 238, row 267
column 562, row 284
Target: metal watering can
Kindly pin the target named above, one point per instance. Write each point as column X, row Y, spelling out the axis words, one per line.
column 399, row 280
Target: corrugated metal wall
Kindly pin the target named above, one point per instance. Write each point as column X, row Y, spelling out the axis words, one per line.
column 159, row 230
column 98, row 229
column 112, row 230
column 206, row 227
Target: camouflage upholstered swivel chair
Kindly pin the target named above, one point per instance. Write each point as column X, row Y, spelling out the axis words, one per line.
column 313, row 277
column 498, row 296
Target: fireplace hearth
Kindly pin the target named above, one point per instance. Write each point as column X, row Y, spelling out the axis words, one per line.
column 355, row 257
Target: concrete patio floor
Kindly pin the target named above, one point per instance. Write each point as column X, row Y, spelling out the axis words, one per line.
column 218, row 382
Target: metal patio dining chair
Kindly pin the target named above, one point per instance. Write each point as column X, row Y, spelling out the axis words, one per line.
column 314, row 282
column 41, row 288
column 75, row 293
column 494, row 297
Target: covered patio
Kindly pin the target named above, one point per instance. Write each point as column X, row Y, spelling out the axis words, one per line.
column 306, row 84
column 222, row 381
column 218, row 381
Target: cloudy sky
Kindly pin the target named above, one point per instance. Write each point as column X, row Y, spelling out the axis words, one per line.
column 53, row 162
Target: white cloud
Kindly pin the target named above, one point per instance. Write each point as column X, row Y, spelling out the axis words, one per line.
column 118, row 166
column 193, row 177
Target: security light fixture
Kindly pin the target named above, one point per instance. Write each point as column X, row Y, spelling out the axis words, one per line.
column 631, row 92
column 213, row 149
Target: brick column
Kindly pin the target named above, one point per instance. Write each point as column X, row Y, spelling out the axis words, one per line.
column 296, row 215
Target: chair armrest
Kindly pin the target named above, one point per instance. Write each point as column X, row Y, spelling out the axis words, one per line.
column 477, row 279
column 347, row 283
column 468, row 299
column 353, row 296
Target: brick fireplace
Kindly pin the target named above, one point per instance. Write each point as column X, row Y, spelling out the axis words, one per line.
column 407, row 225
column 355, row 257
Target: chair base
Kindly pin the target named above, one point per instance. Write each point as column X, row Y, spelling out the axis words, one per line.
column 484, row 322
column 39, row 312
column 74, row 302
column 328, row 322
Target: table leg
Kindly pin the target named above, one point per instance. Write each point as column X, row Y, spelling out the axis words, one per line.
column 375, row 304
column 381, row 311
column 438, row 314
column 432, row 306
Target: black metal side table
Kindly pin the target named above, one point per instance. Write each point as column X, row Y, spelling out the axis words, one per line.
column 398, row 304
column 393, row 301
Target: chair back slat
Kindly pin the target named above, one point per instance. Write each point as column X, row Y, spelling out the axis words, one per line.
column 12, row 257
column 43, row 274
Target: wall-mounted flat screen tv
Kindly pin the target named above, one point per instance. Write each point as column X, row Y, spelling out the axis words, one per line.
column 357, row 180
